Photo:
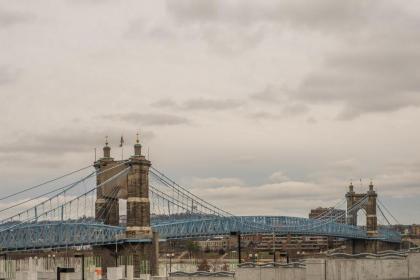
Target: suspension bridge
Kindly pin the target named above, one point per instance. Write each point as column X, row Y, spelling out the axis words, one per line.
column 82, row 208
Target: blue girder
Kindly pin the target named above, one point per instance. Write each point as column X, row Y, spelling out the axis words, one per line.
column 59, row 234
column 280, row 225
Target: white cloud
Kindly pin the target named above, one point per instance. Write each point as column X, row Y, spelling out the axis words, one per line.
column 214, row 182
column 279, row 177
column 283, row 196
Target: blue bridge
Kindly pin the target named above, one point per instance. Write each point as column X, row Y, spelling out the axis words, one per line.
column 46, row 235
column 64, row 216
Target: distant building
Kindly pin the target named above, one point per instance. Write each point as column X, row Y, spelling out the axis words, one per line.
column 408, row 230
column 299, row 244
column 415, row 230
column 229, row 243
column 330, row 213
column 215, row 244
column 292, row 244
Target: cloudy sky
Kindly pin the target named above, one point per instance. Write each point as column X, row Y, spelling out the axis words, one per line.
column 262, row 107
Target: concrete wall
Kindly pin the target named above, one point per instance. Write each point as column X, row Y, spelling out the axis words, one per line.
column 30, row 275
column 414, row 265
column 63, row 276
column 265, row 273
column 366, row 269
column 259, row 273
column 316, row 269
column 190, row 278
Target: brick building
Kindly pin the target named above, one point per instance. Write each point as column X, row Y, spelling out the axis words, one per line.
column 330, row 213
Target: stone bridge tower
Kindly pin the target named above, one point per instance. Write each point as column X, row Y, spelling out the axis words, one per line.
column 139, row 245
column 138, row 204
column 106, row 204
column 366, row 201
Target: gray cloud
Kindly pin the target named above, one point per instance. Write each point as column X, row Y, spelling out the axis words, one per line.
column 279, row 196
column 294, row 109
column 232, row 27
column 283, row 111
column 164, row 102
column 59, row 142
column 31, row 160
column 280, row 101
column 268, row 95
column 150, row 119
column 212, row 104
column 328, row 14
column 399, row 180
column 197, row 104
column 311, row 120
column 366, row 81
column 263, row 115
column 9, row 18
column 7, row 75
column 373, row 72
column 214, row 182
column 89, row 1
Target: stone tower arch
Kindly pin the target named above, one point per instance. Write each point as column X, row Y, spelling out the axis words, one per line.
column 365, row 201
column 139, row 244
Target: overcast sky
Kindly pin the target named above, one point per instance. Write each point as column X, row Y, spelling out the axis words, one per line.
column 262, row 107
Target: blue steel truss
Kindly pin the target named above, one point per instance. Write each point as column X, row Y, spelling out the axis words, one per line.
column 59, row 234
column 280, row 225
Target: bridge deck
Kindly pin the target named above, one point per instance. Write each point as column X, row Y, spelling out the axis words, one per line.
column 63, row 234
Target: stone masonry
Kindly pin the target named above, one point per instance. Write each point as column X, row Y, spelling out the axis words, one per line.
column 140, row 244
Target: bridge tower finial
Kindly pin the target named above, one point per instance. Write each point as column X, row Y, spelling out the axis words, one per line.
column 107, row 149
column 371, row 185
column 137, row 146
column 351, row 188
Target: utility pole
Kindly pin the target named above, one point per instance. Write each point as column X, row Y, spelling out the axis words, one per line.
column 116, row 252
column 82, row 257
column 274, row 247
column 238, row 235
column 170, row 256
column 239, row 248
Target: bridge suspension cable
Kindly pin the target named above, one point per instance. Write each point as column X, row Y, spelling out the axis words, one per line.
column 178, row 203
column 171, row 184
column 170, row 202
column 181, row 191
column 189, row 202
column 386, row 209
column 67, row 187
column 105, row 210
column 383, row 215
column 206, row 210
column 56, row 196
column 44, row 183
column 332, row 219
column 330, row 211
column 61, row 207
column 214, row 210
